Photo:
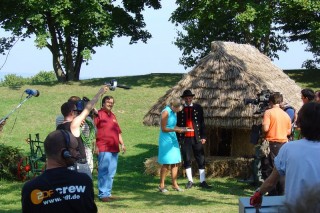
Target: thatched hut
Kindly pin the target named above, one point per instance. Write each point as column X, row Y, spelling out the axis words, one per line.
column 220, row 82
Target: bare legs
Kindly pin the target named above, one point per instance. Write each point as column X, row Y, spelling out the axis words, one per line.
column 174, row 175
column 163, row 173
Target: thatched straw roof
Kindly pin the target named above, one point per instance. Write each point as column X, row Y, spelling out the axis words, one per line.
column 222, row 79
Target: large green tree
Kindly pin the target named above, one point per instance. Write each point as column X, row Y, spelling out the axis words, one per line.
column 259, row 23
column 72, row 29
column 300, row 20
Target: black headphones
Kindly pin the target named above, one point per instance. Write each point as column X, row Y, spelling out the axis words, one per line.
column 65, row 152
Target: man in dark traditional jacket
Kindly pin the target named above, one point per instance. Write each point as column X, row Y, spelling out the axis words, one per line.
column 191, row 116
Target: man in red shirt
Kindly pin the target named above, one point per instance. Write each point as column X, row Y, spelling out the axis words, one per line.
column 108, row 139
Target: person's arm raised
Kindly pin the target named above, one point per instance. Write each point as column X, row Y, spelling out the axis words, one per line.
column 76, row 123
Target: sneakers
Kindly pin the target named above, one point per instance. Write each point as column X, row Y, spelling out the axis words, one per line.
column 204, row 185
column 189, row 185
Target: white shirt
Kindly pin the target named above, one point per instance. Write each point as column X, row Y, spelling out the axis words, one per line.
column 299, row 161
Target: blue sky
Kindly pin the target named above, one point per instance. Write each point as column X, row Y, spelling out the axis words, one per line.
column 159, row 55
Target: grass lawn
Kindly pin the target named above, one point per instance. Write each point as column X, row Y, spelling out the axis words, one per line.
column 137, row 191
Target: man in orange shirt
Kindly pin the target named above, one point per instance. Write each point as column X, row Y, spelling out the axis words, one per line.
column 276, row 125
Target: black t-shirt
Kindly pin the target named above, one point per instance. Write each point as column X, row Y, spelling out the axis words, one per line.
column 66, row 126
column 58, row 190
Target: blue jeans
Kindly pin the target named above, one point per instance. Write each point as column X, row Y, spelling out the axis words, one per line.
column 107, row 167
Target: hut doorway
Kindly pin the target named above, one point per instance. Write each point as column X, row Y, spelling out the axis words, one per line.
column 224, row 144
column 229, row 142
column 220, row 140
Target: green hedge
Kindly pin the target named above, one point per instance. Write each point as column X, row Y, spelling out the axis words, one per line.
column 13, row 80
column 9, row 159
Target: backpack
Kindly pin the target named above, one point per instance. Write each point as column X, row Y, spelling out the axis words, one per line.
column 293, row 118
column 286, row 108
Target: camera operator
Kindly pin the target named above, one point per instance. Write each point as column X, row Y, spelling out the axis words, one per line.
column 276, row 126
column 73, row 121
column 88, row 129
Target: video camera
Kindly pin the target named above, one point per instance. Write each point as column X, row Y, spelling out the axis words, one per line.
column 262, row 101
column 113, row 84
column 81, row 104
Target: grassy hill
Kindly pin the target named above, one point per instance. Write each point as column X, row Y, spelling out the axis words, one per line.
column 305, row 78
column 138, row 191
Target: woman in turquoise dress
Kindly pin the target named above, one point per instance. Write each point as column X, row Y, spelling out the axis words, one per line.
column 169, row 151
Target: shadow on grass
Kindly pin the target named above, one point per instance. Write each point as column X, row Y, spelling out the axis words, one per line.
column 150, row 80
column 135, row 188
column 306, row 78
column 133, row 185
column 11, row 211
column 10, row 190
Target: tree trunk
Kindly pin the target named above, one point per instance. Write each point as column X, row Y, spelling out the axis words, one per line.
column 54, row 49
